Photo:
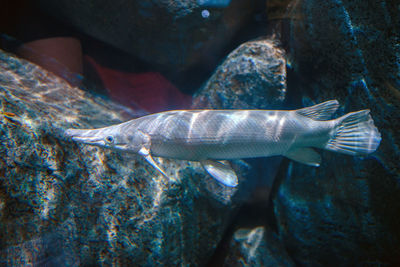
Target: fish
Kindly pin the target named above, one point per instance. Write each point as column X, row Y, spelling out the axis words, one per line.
column 212, row 137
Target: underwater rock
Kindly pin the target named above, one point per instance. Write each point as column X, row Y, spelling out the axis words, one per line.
column 253, row 76
column 257, row 247
column 48, row 249
column 171, row 34
column 346, row 212
column 106, row 208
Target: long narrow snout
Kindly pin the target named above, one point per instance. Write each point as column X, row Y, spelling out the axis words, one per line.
column 90, row 137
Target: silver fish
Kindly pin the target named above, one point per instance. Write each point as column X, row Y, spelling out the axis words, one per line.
column 209, row 136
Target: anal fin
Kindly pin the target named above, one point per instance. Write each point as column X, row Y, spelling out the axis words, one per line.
column 145, row 152
column 304, row 155
column 221, row 172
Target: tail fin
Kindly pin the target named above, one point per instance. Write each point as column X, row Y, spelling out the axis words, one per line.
column 355, row 134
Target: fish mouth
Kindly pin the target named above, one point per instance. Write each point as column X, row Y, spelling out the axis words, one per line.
column 85, row 136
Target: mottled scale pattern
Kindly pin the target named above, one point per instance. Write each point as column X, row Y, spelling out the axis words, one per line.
column 200, row 134
column 210, row 125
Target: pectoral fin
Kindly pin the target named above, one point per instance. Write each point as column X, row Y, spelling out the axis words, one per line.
column 304, row 155
column 145, row 152
column 221, row 172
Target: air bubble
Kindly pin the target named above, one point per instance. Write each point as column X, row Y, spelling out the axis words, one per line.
column 205, row 13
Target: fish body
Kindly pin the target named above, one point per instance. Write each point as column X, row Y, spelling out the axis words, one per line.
column 227, row 134
column 212, row 135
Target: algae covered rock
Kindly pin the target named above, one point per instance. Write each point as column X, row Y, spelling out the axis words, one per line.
column 82, row 205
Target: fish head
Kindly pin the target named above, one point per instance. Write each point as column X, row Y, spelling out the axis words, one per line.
column 109, row 137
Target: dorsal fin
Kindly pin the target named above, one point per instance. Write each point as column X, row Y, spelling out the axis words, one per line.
column 322, row 111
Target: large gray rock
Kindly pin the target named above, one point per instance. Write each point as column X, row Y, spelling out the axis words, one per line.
column 172, row 34
column 346, row 212
column 253, row 76
column 82, row 205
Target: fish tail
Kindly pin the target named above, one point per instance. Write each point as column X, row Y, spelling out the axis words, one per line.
column 354, row 134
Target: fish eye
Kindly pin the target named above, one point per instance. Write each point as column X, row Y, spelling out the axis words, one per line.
column 110, row 139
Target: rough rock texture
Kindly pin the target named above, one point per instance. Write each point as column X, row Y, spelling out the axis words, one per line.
column 253, row 76
column 346, row 212
column 82, row 205
column 172, row 34
column 257, row 247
